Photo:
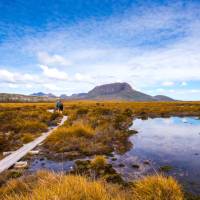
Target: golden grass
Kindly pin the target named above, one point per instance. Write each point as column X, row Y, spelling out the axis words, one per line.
column 77, row 130
column 98, row 162
column 157, row 188
column 21, row 124
column 51, row 186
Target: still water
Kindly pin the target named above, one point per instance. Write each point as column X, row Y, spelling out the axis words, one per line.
column 173, row 142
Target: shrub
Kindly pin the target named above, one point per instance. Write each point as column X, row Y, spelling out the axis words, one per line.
column 157, row 188
column 98, row 162
column 128, row 112
column 32, row 126
column 82, row 111
column 54, row 116
column 27, row 137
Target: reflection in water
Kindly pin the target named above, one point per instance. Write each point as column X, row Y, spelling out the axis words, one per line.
column 43, row 163
column 162, row 141
column 173, row 141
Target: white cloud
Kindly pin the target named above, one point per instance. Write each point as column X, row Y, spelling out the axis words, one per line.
column 168, row 83
column 54, row 73
column 159, row 90
column 28, row 86
column 12, row 85
column 16, row 77
column 53, row 60
column 5, row 75
column 83, row 77
column 183, row 83
column 51, row 87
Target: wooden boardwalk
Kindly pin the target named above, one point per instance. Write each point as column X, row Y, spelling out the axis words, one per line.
column 10, row 160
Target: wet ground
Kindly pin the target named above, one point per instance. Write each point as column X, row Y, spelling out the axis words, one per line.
column 172, row 144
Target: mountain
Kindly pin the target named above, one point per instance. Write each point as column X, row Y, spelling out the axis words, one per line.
column 63, row 96
column 41, row 94
column 112, row 91
column 80, row 95
column 119, row 91
column 163, row 98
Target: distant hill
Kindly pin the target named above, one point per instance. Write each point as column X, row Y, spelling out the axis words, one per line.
column 41, row 94
column 5, row 97
column 119, row 91
column 163, row 98
column 63, row 96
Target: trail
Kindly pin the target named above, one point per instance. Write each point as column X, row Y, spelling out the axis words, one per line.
column 10, row 160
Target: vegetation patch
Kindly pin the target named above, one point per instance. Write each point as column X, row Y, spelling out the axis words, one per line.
column 158, row 188
column 98, row 168
column 166, row 168
column 47, row 185
column 21, row 124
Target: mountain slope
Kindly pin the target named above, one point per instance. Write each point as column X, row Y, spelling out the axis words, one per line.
column 163, row 98
column 117, row 91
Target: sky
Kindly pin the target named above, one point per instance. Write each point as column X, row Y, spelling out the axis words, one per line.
column 71, row 46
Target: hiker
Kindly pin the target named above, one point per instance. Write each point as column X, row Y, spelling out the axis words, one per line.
column 59, row 106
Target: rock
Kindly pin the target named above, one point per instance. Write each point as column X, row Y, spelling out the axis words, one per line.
column 146, row 162
column 121, row 165
column 21, row 164
column 34, row 152
column 135, row 166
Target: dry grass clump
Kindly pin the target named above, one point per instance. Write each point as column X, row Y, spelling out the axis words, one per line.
column 27, row 137
column 32, row 126
column 98, row 162
column 77, row 130
column 73, row 140
column 51, row 186
column 157, row 188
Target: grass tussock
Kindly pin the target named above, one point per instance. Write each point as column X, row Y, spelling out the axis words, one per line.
column 50, row 186
column 157, row 188
column 77, row 130
column 98, row 162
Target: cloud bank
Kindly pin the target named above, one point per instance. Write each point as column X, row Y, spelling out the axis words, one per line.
column 154, row 48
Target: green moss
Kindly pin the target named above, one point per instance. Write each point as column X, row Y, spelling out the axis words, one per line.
column 166, row 168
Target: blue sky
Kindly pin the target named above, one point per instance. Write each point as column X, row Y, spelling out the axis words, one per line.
column 70, row 46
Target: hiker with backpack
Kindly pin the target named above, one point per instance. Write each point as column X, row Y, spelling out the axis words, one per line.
column 59, row 106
